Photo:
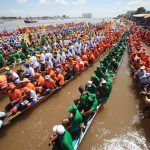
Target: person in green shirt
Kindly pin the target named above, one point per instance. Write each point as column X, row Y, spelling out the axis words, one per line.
column 104, row 91
column 80, row 103
column 43, row 39
column 90, row 107
column 91, row 87
column 24, row 46
column 95, row 80
column 74, row 121
column 62, row 140
column 99, row 73
column 2, row 61
column 22, row 56
column 114, row 64
column 109, row 81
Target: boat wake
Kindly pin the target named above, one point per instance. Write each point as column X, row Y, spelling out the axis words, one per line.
column 130, row 141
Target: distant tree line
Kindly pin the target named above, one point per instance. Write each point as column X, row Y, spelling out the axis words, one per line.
column 9, row 18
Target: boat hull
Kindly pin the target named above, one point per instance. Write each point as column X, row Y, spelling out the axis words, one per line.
column 30, row 21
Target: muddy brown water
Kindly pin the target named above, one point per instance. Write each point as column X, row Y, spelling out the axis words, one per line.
column 116, row 126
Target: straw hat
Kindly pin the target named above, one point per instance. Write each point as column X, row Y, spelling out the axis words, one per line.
column 25, row 80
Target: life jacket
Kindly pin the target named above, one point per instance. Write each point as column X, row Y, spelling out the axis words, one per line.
column 3, row 82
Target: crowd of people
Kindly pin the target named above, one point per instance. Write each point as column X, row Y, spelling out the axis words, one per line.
column 140, row 60
column 43, row 70
column 14, row 48
column 95, row 93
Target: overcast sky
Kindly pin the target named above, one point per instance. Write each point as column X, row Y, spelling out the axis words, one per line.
column 73, row 8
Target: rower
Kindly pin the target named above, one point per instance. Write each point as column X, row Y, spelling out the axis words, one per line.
column 42, row 60
column 108, row 80
column 99, row 72
column 48, row 86
column 89, row 105
column 60, row 78
column 30, row 97
column 104, row 91
column 29, row 71
column 15, row 96
column 62, row 139
column 91, row 87
column 74, row 121
column 13, row 77
column 141, row 72
column 26, row 83
column 39, row 79
column 95, row 80
column 2, row 117
column 49, row 71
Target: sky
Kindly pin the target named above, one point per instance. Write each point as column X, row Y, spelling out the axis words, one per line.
column 72, row 8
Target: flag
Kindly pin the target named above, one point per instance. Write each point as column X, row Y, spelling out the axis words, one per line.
column 26, row 37
column 27, row 30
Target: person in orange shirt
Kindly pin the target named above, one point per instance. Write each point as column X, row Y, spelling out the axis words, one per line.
column 81, row 65
column 76, row 68
column 60, row 78
column 40, row 79
column 50, row 72
column 86, row 63
column 48, row 86
column 92, row 58
column 84, row 57
column 15, row 96
column 26, row 83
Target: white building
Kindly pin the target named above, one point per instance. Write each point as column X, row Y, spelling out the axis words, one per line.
column 87, row 15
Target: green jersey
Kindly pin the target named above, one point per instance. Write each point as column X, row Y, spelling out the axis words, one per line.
column 92, row 89
column 66, row 141
column 95, row 80
column 76, row 121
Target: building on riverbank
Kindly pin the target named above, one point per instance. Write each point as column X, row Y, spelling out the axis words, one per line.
column 87, row 15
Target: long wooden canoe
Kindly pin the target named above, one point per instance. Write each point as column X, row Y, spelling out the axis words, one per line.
column 76, row 142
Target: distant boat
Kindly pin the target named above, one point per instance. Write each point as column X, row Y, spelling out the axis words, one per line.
column 30, row 21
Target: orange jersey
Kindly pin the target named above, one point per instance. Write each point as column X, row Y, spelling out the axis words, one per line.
column 60, row 77
column 40, row 81
column 49, row 84
column 84, row 57
column 52, row 74
column 92, row 57
column 30, row 86
column 14, row 95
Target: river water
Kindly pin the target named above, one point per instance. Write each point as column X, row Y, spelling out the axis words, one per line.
column 116, row 126
column 10, row 25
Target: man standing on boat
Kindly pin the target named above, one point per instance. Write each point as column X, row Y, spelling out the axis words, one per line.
column 24, row 46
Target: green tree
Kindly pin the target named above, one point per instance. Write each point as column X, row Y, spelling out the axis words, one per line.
column 140, row 10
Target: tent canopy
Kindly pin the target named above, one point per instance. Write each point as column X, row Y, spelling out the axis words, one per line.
column 140, row 15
